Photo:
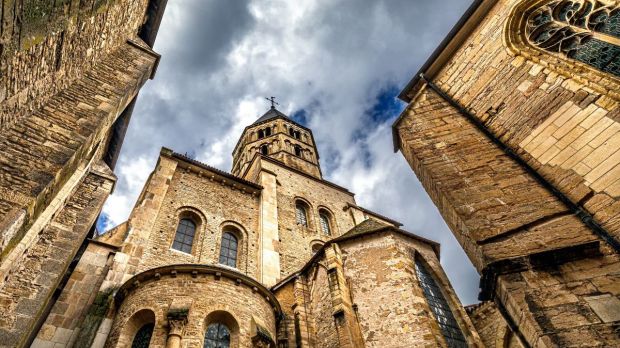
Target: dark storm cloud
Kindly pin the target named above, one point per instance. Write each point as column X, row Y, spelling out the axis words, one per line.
column 329, row 62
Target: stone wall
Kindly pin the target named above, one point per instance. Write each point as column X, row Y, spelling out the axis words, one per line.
column 232, row 300
column 215, row 205
column 295, row 241
column 46, row 45
column 68, row 317
column 492, row 327
column 27, row 290
column 364, row 291
column 541, row 262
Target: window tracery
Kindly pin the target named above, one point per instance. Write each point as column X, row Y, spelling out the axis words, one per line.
column 585, row 30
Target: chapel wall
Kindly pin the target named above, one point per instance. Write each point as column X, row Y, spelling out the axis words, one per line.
column 214, row 205
column 46, row 45
column 560, row 115
column 508, row 221
column 296, row 241
column 173, row 292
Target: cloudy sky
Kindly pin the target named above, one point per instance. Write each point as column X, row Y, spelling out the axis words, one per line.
column 335, row 66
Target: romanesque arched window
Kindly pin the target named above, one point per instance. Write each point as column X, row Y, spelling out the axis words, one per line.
column 325, row 222
column 297, row 151
column 291, row 132
column 301, row 213
column 261, row 134
column 217, row 336
column 184, row 237
column 142, row 339
column 228, row 250
column 585, row 30
column 267, row 131
column 264, row 150
column 439, row 306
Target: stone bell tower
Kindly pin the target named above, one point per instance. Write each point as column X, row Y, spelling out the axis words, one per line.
column 276, row 135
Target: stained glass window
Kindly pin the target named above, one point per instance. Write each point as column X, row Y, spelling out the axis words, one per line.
column 440, row 308
column 143, row 336
column 302, row 217
column 325, row 224
column 217, row 336
column 184, row 237
column 228, row 250
column 584, row 30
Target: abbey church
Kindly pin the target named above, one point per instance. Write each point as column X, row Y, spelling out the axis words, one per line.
column 512, row 126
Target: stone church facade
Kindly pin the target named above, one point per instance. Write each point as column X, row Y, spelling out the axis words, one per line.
column 511, row 126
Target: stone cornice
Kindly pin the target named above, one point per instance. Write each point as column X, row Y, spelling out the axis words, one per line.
column 194, row 270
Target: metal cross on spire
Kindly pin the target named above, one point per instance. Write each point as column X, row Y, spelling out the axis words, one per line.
column 273, row 102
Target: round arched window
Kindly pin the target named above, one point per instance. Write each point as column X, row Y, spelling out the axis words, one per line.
column 325, row 226
column 217, row 336
column 301, row 214
column 142, row 339
column 228, row 250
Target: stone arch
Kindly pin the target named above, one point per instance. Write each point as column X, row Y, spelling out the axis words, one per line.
column 241, row 234
column 557, row 53
column 131, row 326
column 316, row 245
column 198, row 218
column 223, row 317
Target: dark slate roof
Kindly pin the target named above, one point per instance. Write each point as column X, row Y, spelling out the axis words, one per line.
column 271, row 114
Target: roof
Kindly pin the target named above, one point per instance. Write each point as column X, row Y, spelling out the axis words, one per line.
column 269, row 115
column 366, row 227
column 169, row 153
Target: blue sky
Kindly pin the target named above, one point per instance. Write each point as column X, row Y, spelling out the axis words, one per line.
column 334, row 65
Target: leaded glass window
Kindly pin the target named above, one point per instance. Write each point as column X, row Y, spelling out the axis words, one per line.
column 143, row 336
column 217, row 336
column 228, row 250
column 584, row 30
column 325, row 223
column 184, row 238
column 302, row 217
column 440, row 308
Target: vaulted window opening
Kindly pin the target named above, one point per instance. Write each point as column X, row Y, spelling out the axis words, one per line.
column 264, row 150
column 228, row 250
column 325, row 222
column 217, row 336
column 142, row 339
column 297, row 151
column 261, row 134
column 301, row 214
column 184, row 237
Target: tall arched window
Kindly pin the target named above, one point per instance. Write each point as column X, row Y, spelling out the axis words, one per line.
column 142, row 339
column 439, row 306
column 217, row 336
column 301, row 214
column 228, row 250
column 261, row 134
column 584, row 30
column 297, row 151
column 291, row 132
column 325, row 222
column 184, row 237
column 264, row 150
column 267, row 131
